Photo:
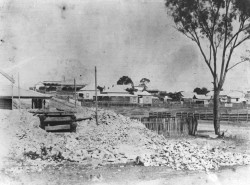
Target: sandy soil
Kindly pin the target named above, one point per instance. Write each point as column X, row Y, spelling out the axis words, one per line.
column 70, row 173
column 237, row 140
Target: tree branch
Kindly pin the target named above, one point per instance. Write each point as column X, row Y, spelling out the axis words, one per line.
column 225, row 43
column 235, row 65
column 202, row 52
column 240, row 42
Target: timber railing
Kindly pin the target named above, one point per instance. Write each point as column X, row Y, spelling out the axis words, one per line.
column 170, row 126
column 234, row 117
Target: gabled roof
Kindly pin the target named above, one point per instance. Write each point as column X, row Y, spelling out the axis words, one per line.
column 143, row 93
column 117, row 89
column 90, row 87
column 6, row 92
column 236, row 94
column 188, row 95
column 202, row 97
column 116, row 95
column 139, row 88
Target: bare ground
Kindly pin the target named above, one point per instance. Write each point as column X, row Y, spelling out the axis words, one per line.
column 238, row 140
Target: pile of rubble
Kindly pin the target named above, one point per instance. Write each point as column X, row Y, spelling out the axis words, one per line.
column 116, row 139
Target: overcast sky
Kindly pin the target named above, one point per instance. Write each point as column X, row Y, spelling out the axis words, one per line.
column 46, row 40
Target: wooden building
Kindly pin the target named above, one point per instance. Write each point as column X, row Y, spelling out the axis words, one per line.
column 7, row 94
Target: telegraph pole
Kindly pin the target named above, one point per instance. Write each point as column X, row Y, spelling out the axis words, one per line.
column 19, row 91
column 75, row 90
column 12, row 86
column 96, row 101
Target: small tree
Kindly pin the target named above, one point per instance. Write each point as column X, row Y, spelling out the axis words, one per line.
column 176, row 96
column 100, row 88
column 202, row 90
column 125, row 80
column 217, row 27
column 144, row 82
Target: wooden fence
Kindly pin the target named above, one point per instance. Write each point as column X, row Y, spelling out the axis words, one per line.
column 162, row 105
column 203, row 116
column 171, row 126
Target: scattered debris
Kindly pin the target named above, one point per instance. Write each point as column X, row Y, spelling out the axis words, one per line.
column 116, row 140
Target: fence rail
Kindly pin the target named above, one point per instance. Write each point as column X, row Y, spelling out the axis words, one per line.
column 202, row 116
column 171, row 126
column 163, row 105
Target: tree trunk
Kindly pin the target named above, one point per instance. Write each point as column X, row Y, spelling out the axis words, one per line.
column 216, row 111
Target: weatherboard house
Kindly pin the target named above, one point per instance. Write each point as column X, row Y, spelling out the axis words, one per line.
column 117, row 94
column 88, row 92
column 201, row 99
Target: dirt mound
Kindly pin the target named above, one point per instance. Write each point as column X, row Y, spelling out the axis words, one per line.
column 117, row 139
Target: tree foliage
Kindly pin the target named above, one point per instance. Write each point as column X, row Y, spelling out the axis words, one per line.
column 125, row 80
column 144, row 81
column 100, row 88
column 176, row 96
column 202, row 90
column 219, row 25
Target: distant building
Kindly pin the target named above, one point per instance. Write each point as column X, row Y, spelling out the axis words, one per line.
column 116, row 89
column 187, row 97
column 87, row 93
column 236, row 97
column 6, row 94
column 144, row 97
column 201, row 99
column 247, row 97
column 53, row 86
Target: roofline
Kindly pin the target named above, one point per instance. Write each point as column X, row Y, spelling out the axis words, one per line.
column 25, row 97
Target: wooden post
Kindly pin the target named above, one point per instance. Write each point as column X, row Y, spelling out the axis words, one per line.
column 19, row 92
column 12, row 94
column 75, row 90
column 247, row 113
column 96, row 101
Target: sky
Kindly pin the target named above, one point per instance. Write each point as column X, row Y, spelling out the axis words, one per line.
column 53, row 39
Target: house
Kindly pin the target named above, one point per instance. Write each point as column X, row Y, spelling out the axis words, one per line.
column 117, row 98
column 187, row 97
column 223, row 96
column 7, row 92
column 116, row 89
column 52, row 86
column 152, row 89
column 144, row 97
column 117, row 94
column 139, row 88
column 201, row 99
column 87, row 93
column 236, row 97
column 247, row 97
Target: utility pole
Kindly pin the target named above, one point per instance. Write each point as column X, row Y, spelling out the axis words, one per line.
column 19, row 91
column 96, row 101
column 12, row 86
column 75, row 90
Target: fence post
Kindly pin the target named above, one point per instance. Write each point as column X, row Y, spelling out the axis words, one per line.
column 247, row 113
column 238, row 115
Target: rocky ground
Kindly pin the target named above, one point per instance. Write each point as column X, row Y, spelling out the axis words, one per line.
column 116, row 141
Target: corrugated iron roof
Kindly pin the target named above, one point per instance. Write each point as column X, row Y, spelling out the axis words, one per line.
column 6, row 93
